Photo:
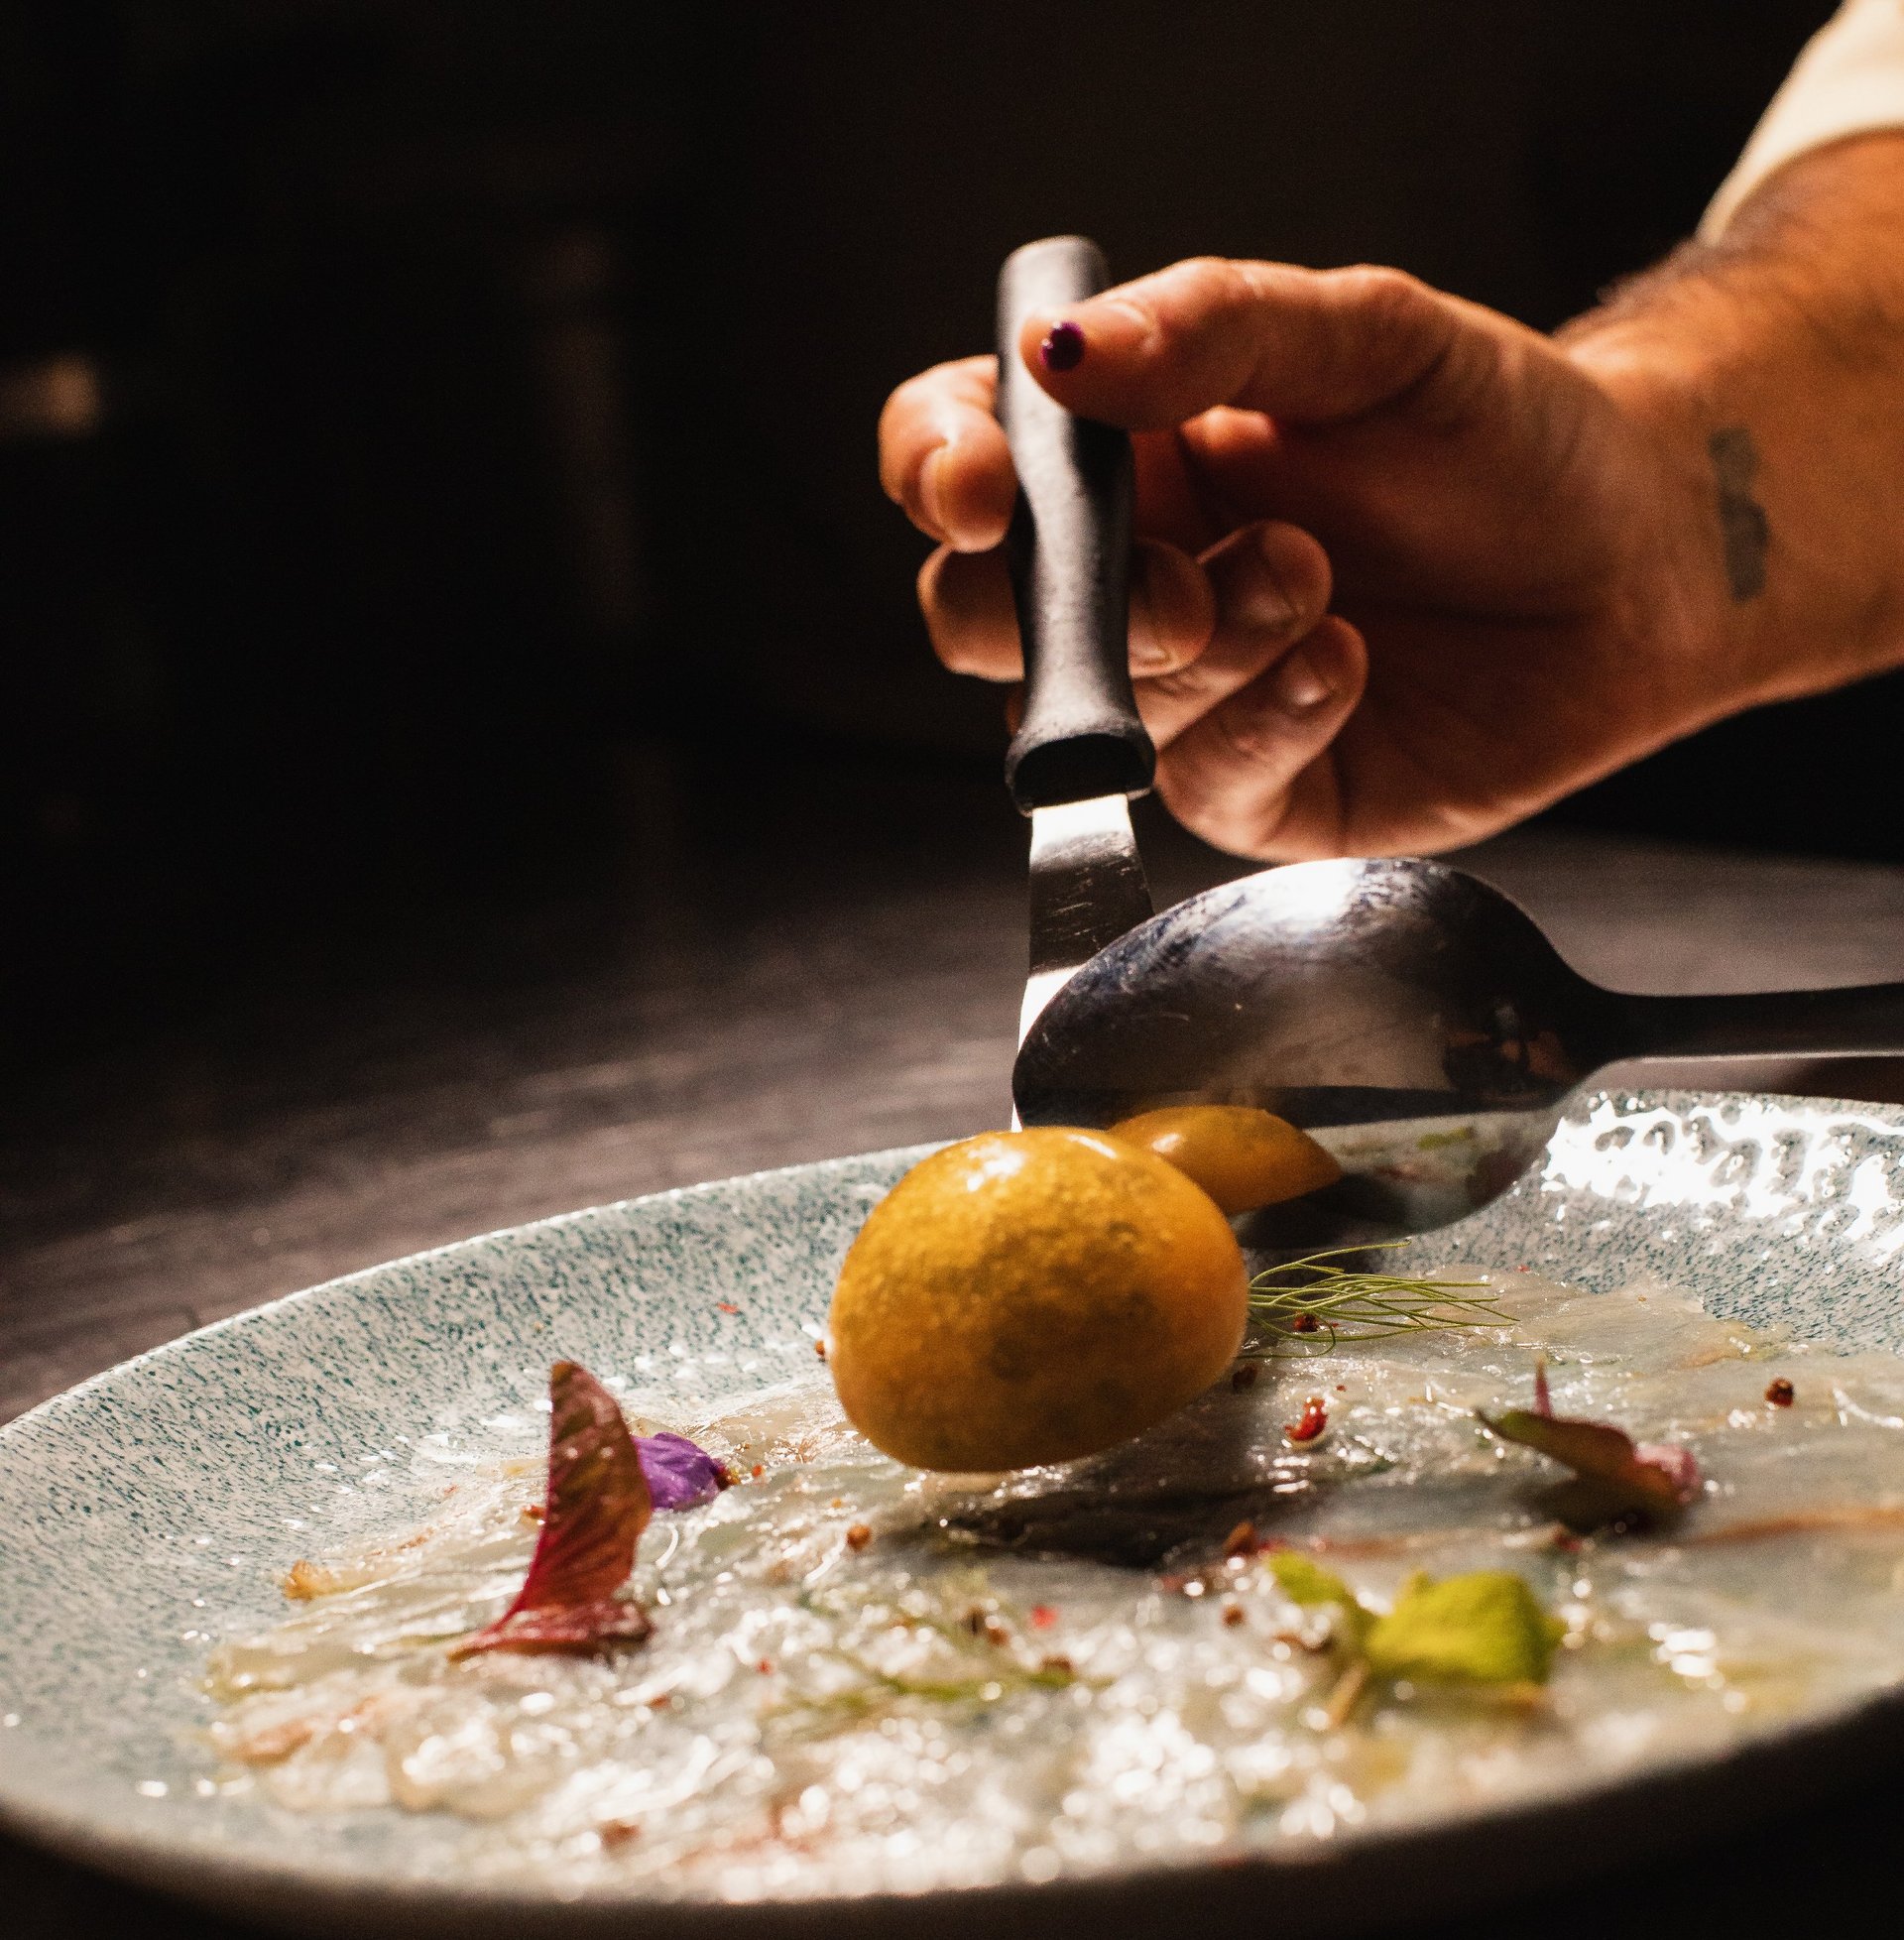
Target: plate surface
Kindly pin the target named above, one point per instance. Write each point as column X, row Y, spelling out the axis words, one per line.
column 151, row 1511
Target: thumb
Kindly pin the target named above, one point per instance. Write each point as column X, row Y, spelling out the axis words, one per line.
column 1308, row 346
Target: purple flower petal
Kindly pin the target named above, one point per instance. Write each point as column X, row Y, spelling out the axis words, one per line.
column 679, row 1475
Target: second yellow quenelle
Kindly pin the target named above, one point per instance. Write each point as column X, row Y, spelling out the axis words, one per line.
column 1241, row 1156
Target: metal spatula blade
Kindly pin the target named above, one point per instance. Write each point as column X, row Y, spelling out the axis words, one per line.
column 1087, row 890
column 1081, row 752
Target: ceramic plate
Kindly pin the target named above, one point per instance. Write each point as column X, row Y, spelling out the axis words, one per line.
column 152, row 1509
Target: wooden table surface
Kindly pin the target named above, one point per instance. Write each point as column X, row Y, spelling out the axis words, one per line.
column 815, row 965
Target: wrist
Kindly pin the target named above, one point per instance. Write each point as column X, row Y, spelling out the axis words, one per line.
column 1699, row 541
column 1764, row 376
column 1701, row 524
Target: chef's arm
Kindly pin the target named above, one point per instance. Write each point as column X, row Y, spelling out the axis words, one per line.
column 1772, row 356
column 1780, row 332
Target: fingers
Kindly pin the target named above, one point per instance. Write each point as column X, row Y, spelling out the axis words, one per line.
column 944, row 458
column 1271, row 585
column 1309, row 347
column 1253, row 776
column 966, row 602
column 1242, row 676
column 1200, row 631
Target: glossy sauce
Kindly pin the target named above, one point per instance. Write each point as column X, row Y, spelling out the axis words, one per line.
column 865, row 1677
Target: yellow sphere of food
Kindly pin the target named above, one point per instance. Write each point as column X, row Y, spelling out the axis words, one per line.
column 1031, row 1297
column 1241, row 1156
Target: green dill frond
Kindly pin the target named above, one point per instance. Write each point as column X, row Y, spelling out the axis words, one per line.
column 1309, row 1304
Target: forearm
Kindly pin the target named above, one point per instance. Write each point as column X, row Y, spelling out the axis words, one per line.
column 1770, row 365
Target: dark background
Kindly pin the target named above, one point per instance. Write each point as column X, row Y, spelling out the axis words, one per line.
column 488, row 396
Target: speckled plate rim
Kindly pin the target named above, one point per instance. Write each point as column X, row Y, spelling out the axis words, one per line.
column 1363, row 1877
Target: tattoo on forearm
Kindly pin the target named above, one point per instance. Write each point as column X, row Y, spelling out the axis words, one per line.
column 1742, row 525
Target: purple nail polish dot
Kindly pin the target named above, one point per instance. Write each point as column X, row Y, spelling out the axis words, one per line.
column 1063, row 347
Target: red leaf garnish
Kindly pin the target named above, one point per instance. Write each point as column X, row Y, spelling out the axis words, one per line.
column 562, row 1626
column 1675, row 1463
column 1614, row 1477
column 598, row 1505
column 1314, row 1419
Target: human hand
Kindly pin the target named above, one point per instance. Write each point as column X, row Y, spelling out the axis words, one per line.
column 1407, row 570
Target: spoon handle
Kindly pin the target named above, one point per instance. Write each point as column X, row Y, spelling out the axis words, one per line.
column 1070, row 556
column 1858, row 1020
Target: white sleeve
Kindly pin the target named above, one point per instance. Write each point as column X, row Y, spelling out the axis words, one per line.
column 1848, row 80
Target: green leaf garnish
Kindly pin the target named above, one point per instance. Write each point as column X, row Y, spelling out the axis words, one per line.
column 1304, row 1581
column 1310, row 1304
column 1484, row 1628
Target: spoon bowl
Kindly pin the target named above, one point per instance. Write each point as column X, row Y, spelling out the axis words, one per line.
column 1410, row 1017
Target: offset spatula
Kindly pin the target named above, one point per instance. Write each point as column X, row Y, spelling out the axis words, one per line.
column 1080, row 753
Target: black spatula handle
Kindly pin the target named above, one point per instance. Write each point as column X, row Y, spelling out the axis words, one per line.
column 1070, row 553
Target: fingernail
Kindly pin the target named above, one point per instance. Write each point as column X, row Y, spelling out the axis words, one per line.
column 1248, row 582
column 1062, row 348
column 1261, row 605
column 930, row 496
column 1298, row 684
column 1148, row 655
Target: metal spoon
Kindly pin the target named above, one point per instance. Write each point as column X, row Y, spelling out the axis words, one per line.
column 1410, row 1017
